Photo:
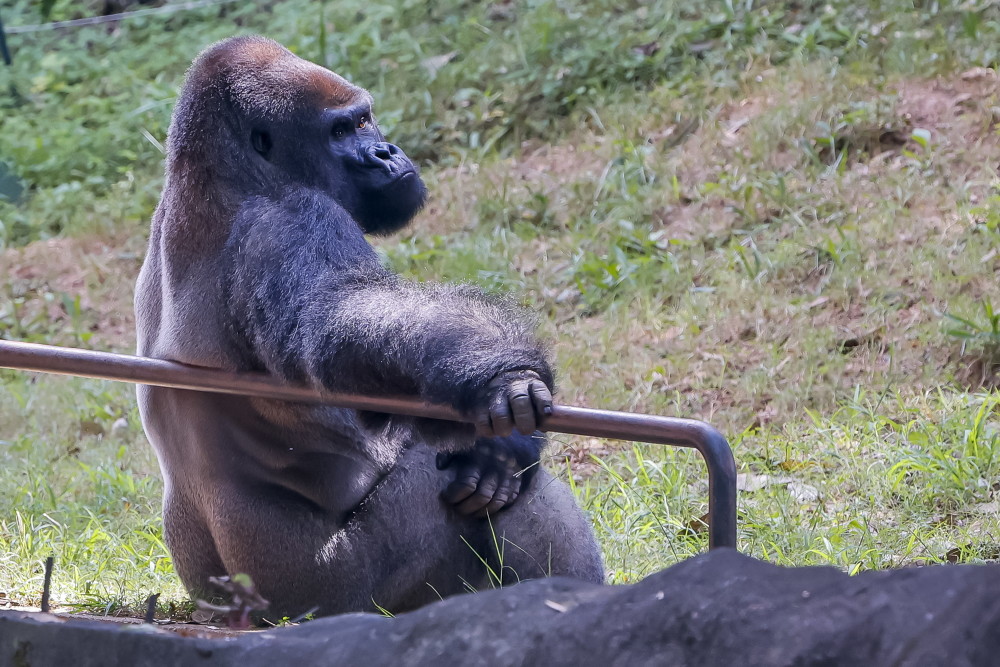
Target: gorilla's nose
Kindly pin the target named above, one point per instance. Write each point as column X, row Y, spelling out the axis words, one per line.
column 386, row 156
column 383, row 150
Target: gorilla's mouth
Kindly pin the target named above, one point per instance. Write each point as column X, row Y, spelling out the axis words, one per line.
column 402, row 176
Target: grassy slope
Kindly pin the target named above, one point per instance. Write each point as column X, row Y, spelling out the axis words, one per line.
column 758, row 217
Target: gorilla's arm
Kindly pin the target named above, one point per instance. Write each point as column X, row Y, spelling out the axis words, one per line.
column 315, row 304
column 452, row 345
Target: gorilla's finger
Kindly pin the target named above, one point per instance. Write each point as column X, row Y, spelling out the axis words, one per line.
column 457, row 492
column 500, row 416
column 521, row 407
column 481, row 498
column 542, row 398
column 484, row 428
column 514, row 493
column 464, row 486
column 501, row 498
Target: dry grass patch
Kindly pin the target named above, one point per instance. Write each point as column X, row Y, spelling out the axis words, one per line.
column 794, row 279
column 71, row 290
column 803, row 277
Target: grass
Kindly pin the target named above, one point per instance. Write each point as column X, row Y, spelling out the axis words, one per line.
column 782, row 220
column 80, row 482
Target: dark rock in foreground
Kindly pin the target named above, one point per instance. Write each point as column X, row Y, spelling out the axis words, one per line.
column 719, row 608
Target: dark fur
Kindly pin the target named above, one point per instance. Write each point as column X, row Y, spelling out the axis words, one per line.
column 257, row 261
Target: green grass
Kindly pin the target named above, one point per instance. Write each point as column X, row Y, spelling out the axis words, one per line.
column 917, row 474
column 776, row 218
column 79, row 483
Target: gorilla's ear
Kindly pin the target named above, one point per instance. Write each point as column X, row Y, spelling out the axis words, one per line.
column 261, row 141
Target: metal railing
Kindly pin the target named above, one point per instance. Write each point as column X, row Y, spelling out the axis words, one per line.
column 564, row 419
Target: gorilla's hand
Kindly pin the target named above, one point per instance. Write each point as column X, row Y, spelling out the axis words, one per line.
column 491, row 475
column 513, row 399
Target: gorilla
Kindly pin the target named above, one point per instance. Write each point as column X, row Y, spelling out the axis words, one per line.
column 257, row 261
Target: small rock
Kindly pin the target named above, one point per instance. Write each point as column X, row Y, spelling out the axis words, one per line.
column 119, row 428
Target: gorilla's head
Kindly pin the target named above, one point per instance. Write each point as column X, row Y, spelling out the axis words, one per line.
column 285, row 121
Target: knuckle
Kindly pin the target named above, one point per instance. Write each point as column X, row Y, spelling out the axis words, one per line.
column 474, row 504
column 495, row 506
column 456, row 494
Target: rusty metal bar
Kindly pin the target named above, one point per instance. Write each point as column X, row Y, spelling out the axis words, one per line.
column 564, row 419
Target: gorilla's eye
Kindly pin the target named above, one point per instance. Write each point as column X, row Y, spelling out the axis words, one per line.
column 340, row 130
column 261, row 142
column 363, row 121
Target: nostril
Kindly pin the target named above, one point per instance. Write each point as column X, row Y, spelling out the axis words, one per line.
column 382, row 151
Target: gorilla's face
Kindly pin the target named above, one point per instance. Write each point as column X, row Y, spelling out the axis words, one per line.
column 376, row 182
column 323, row 135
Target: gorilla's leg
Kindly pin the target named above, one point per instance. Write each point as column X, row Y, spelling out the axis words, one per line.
column 190, row 541
column 545, row 534
column 402, row 548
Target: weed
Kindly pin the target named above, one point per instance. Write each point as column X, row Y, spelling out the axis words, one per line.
column 980, row 333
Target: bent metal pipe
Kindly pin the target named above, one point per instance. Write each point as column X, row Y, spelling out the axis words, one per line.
column 564, row 419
